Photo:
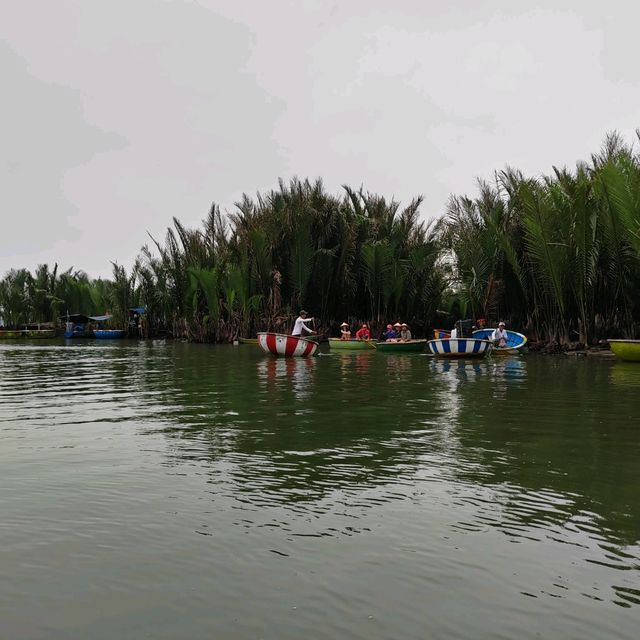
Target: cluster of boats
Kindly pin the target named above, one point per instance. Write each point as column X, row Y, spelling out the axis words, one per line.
column 442, row 345
column 77, row 325
column 478, row 345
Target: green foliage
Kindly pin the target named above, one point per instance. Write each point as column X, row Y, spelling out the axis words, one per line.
column 564, row 250
column 558, row 256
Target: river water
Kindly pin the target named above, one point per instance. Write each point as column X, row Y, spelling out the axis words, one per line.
column 167, row 490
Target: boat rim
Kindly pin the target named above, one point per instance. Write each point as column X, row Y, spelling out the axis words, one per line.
column 475, row 339
column 286, row 335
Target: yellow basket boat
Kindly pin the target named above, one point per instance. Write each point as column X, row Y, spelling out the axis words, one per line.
column 626, row 349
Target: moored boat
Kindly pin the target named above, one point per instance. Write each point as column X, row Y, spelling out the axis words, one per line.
column 77, row 325
column 459, row 347
column 109, row 334
column 280, row 344
column 39, row 334
column 9, row 334
column 515, row 341
column 410, row 346
column 626, row 349
column 351, row 345
column 248, row 340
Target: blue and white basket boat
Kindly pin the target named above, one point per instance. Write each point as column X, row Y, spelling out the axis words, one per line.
column 515, row 341
column 459, row 347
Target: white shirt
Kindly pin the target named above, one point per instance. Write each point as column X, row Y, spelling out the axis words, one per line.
column 500, row 336
column 300, row 325
column 454, row 333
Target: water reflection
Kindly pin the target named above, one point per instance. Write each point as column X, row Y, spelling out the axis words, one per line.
column 353, row 363
column 625, row 374
column 295, row 374
column 542, row 451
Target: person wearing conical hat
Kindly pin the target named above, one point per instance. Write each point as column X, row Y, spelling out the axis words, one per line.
column 405, row 332
column 345, row 332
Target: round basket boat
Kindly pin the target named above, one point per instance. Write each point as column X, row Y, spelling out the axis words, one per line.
column 626, row 349
column 351, row 345
column 515, row 341
column 109, row 334
column 410, row 346
column 280, row 344
column 459, row 347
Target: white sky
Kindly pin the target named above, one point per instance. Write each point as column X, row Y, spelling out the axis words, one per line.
column 118, row 115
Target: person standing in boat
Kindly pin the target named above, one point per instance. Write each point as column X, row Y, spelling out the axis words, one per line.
column 405, row 333
column 499, row 336
column 345, row 332
column 300, row 328
column 363, row 332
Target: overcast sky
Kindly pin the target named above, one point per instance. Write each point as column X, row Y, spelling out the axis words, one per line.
column 118, row 115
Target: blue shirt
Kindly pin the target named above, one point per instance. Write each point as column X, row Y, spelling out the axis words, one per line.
column 391, row 333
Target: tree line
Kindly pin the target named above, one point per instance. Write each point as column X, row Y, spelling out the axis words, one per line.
column 557, row 257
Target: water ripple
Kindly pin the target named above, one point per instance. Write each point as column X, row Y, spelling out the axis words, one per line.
column 382, row 489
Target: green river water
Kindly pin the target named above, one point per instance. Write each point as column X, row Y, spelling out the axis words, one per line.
column 167, row 490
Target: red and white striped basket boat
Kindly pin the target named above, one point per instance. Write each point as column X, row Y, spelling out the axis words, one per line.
column 282, row 345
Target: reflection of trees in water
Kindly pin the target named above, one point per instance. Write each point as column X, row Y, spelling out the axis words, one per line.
column 547, row 436
column 296, row 429
column 563, row 441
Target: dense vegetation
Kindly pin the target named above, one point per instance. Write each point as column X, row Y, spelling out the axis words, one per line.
column 558, row 257
column 44, row 296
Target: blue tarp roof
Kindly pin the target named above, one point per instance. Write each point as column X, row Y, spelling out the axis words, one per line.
column 139, row 309
column 100, row 318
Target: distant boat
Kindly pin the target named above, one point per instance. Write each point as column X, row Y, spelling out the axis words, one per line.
column 10, row 334
column 76, row 325
column 626, row 349
column 280, row 344
column 38, row 330
column 459, row 347
column 37, row 334
column 248, row 341
column 351, row 345
column 515, row 340
column 109, row 334
column 31, row 331
column 410, row 346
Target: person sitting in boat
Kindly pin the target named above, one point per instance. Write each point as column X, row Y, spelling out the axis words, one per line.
column 499, row 336
column 345, row 332
column 405, row 332
column 363, row 333
column 300, row 327
column 390, row 335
